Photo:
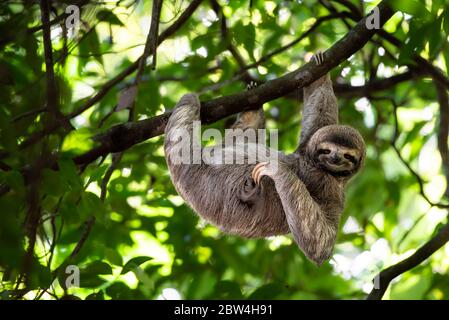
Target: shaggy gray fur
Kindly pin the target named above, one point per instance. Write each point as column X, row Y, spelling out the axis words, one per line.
column 304, row 197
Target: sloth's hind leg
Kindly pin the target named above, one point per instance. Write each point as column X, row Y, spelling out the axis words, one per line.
column 185, row 112
column 253, row 119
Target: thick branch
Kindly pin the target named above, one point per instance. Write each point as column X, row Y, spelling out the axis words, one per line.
column 121, row 137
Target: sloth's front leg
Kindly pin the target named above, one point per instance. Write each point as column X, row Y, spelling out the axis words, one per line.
column 314, row 233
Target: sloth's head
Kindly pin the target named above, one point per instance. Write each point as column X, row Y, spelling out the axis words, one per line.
column 339, row 150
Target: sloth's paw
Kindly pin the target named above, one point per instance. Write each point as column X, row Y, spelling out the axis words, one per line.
column 264, row 169
column 251, row 85
column 318, row 57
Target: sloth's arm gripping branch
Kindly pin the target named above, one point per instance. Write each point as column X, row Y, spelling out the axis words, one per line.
column 320, row 105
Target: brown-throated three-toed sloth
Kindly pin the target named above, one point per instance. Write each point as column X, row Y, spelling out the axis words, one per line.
column 304, row 193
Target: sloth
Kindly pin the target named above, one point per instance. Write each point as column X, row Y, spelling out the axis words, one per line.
column 300, row 193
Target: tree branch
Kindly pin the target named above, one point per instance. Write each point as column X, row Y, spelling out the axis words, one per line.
column 383, row 279
column 123, row 136
column 315, row 25
column 52, row 91
column 228, row 41
column 372, row 86
column 401, row 158
column 152, row 40
column 105, row 88
column 422, row 63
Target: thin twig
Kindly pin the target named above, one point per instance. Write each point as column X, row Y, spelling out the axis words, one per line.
column 29, row 114
column 105, row 88
column 116, row 157
column 422, row 63
column 52, row 98
column 393, row 141
column 228, row 41
column 152, row 40
column 383, row 279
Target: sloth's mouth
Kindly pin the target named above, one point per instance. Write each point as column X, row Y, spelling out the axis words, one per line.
column 337, row 167
column 340, row 168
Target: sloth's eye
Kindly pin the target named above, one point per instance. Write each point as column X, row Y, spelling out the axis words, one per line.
column 324, row 151
column 350, row 158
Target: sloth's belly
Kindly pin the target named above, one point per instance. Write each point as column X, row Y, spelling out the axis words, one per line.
column 262, row 216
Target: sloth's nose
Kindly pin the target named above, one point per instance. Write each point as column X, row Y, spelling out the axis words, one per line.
column 336, row 158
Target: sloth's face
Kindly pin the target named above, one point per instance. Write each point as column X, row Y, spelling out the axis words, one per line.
column 337, row 159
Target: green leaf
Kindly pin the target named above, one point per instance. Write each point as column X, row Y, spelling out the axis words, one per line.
column 98, row 172
column 445, row 16
column 78, row 141
column 90, row 46
column 91, row 281
column 411, row 287
column 69, row 172
column 15, row 180
column 446, row 58
column 267, row 291
column 245, row 35
column 51, row 183
column 227, row 290
column 435, row 39
column 134, row 263
column 416, row 41
column 109, row 16
column 96, row 267
column 90, row 204
column 113, row 256
column 96, row 296
column 119, row 290
column 411, row 7
column 149, row 100
column 89, row 275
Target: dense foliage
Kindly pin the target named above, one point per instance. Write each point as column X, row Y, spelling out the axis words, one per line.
column 119, row 219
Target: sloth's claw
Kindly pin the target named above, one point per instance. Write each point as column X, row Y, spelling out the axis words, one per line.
column 251, row 85
column 318, row 57
column 257, row 172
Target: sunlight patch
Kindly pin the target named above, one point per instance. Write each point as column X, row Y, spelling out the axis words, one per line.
column 169, row 294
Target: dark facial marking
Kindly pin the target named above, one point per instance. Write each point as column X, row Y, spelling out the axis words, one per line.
column 342, row 141
column 345, row 173
column 324, row 151
column 351, row 158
